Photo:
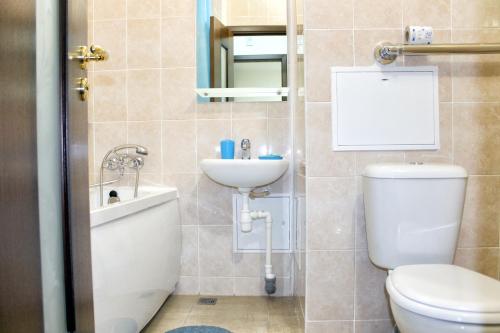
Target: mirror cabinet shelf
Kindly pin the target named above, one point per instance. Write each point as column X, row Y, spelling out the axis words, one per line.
column 242, row 92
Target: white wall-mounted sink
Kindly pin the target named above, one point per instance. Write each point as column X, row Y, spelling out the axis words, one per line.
column 244, row 174
column 247, row 175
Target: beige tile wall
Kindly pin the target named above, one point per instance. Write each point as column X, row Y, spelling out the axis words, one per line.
column 251, row 12
column 145, row 94
column 344, row 291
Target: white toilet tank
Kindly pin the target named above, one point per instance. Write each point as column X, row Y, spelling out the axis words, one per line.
column 413, row 212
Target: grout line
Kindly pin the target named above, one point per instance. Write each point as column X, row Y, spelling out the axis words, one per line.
column 142, row 18
column 93, row 102
column 353, row 36
column 402, row 39
column 398, row 29
column 198, row 175
column 477, row 248
column 356, row 154
column 355, row 228
column 126, row 75
column 162, row 124
column 143, row 69
column 334, row 250
column 452, row 81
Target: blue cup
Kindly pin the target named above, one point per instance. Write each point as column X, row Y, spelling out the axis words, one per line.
column 227, row 149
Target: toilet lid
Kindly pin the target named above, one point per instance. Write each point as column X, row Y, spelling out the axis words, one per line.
column 447, row 287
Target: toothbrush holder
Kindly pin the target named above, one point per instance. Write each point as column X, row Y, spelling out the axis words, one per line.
column 227, row 149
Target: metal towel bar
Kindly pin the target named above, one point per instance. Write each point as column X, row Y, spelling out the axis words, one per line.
column 386, row 53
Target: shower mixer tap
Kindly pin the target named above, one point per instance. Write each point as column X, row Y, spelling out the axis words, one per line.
column 116, row 160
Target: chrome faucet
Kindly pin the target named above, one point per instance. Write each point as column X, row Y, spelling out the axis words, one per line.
column 114, row 160
column 246, row 154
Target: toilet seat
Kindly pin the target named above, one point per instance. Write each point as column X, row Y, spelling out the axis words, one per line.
column 446, row 292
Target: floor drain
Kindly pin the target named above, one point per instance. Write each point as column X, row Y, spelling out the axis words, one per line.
column 207, row 301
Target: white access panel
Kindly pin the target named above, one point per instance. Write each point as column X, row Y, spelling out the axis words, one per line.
column 255, row 241
column 389, row 108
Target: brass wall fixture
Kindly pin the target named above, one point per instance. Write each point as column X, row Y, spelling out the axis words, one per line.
column 82, row 87
column 386, row 53
column 85, row 55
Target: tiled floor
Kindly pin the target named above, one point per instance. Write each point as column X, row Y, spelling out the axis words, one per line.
column 236, row 314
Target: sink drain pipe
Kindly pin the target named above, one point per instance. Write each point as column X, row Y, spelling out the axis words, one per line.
column 246, row 218
column 270, row 278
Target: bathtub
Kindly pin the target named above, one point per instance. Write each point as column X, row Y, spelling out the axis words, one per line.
column 136, row 249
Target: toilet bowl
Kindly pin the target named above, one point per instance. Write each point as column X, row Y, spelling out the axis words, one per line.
column 443, row 299
column 413, row 216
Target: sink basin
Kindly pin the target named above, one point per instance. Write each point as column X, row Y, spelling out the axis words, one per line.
column 244, row 174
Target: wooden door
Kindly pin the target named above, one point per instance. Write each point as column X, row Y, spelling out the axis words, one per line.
column 76, row 215
column 20, row 269
column 221, row 38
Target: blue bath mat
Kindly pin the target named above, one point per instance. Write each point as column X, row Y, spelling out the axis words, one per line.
column 199, row 329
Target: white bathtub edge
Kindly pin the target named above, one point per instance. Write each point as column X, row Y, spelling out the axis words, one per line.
column 113, row 212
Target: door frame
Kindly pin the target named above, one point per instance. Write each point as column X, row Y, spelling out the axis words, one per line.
column 220, row 37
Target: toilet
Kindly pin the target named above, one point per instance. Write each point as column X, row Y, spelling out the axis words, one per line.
column 413, row 216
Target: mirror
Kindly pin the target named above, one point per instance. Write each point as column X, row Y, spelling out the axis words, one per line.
column 241, row 50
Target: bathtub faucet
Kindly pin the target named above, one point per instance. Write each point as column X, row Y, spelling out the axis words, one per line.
column 115, row 159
